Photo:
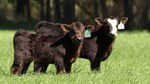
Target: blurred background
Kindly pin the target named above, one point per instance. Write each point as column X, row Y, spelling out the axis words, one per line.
column 25, row 13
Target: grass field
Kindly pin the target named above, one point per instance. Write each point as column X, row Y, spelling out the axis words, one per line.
column 129, row 63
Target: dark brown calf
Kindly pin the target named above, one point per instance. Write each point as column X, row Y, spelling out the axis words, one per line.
column 63, row 52
column 99, row 46
column 24, row 49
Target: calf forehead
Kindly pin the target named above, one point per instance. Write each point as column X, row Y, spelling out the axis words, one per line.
column 113, row 22
column 77, row 26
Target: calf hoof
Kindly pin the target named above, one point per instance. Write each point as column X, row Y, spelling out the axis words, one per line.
column 97, row 69
column 61, row 72
column 15, row 71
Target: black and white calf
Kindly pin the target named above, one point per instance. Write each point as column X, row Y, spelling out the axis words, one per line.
column 98, row 47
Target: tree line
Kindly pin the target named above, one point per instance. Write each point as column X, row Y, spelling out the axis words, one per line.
column 67, row 11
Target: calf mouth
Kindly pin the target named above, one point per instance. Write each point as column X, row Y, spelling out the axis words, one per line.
column 77, row 41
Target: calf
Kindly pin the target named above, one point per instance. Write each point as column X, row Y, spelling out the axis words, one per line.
column 99, row 46
column 63, row 52
column 24, row 43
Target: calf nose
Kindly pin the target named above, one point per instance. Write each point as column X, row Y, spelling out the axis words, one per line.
column 79, row 37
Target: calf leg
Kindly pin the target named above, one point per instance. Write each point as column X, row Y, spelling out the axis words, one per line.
column 60, row 69
column 68, row 67
column 25, row 67
column 17, row 68
column 59, row 64
column 20, row 67
column 44, row 68
column 40, row 67
column 95, row 65
column 22, row 60
column 94, row 61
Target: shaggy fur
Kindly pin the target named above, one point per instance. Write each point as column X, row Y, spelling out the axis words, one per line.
column 68, row 48
column 25, row 44
column 61, row 50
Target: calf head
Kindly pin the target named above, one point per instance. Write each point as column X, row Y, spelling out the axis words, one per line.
column 116, row 24
column 112, row 24
column 102, row 27
column 76, row 31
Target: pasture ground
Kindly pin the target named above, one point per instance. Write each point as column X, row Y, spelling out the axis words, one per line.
column 129, row 63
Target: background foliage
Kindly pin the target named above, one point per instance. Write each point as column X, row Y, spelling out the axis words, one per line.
column 67, row 11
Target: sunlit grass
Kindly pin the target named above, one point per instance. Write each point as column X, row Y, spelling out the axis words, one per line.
column 128, row 64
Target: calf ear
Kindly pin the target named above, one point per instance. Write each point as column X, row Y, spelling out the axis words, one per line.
column 64, row 27
column 98, row 21
column 90, row 27
column 123, row 20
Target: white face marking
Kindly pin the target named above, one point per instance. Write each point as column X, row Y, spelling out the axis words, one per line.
column 113, row 23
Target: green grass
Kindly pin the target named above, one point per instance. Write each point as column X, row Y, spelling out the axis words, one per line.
column 129, row 63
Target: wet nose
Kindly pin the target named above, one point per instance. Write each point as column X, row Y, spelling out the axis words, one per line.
column 79, row 37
